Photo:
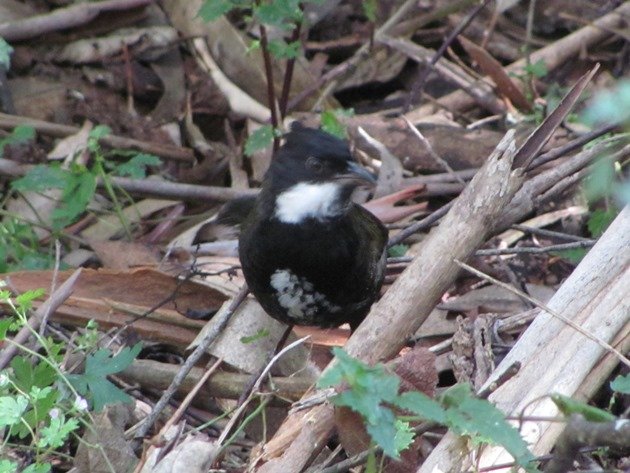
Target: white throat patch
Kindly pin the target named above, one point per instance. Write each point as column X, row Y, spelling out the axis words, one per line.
column 304, row 200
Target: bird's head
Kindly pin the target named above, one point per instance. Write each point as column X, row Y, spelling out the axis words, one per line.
column 313, row 175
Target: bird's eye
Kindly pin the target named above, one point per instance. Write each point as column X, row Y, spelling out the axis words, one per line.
column 314, row 164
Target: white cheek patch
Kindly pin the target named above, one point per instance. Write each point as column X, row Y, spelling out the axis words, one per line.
column 298, row 296
column 304, row 200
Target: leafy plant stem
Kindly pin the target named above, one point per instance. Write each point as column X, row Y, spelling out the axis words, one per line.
column 528, row 41
column 54, row 234
column 288, row 73
column 54, row 366
column 107, row 184
column 271, row 93
column 246, row 420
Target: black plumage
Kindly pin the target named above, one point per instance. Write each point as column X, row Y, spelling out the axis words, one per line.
column 309, row 254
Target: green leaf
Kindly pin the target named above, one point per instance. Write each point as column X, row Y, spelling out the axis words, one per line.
column 5, row 54
column 621, row 384
column 42, row 177
column 211, row 10
column 330, row 121
column 37, row 381
column 5, row 325
column 537, row 69
column 371, row 381
column 404, row 435
column 11, row 409
column 259, row 139
column 283, row 50
column 397, row 251
column 370, row 7
column 599, row 221
column 99, row 131
column 93, row 384
column 26, row 377
column 484, row 423
column 610, row 106
column 57, row 432
column 600, row 180
column 383, row 431
column 422, row 405
column 38, row 468
column 76, row 196
column 25, row 300
column 280, row 13
column 570, row 406
column 262, row 333
column 137, row 166
column 7, row 466
column 370, row 388
column 20, row 134
column 574, row 255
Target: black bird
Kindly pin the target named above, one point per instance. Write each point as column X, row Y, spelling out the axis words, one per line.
column 309, row 254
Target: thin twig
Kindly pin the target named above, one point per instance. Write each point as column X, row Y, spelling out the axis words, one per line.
column 221, row 320
column 420, row 225
column 255, row 388
column 548, row 233
column 254, row 379
column 418, row 85
column 190, row 396
column 351, row 64
column 571, row 145
column 569, row 322
column 536, row 250
column 433, row 153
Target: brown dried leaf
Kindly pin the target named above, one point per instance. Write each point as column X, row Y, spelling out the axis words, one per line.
column 416, row 368
column 491, row 67
column 352, row 434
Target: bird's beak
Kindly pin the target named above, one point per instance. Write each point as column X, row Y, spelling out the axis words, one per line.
column 357, row 175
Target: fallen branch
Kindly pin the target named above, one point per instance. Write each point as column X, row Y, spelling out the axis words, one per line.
column 221, row 319
column 553, row 56
column 553, row 356
column 158, row 376
column 175, row 153
column 149, row 187
column 581, row 433
column 63, row 18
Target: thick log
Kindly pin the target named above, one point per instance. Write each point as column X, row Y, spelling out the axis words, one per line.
column 554, row 357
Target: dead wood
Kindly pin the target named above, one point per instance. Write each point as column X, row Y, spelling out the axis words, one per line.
column 221, row 319
column 527, row 198
column 151, row 374
column 553, row 356
column 176, row 153
column 63, row 18
column 172, row 190
column 553, row 55
column 583, row 433
column 150, row 187
column 479, row 91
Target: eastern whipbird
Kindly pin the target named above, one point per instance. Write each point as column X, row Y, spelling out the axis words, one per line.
column 309, row 254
